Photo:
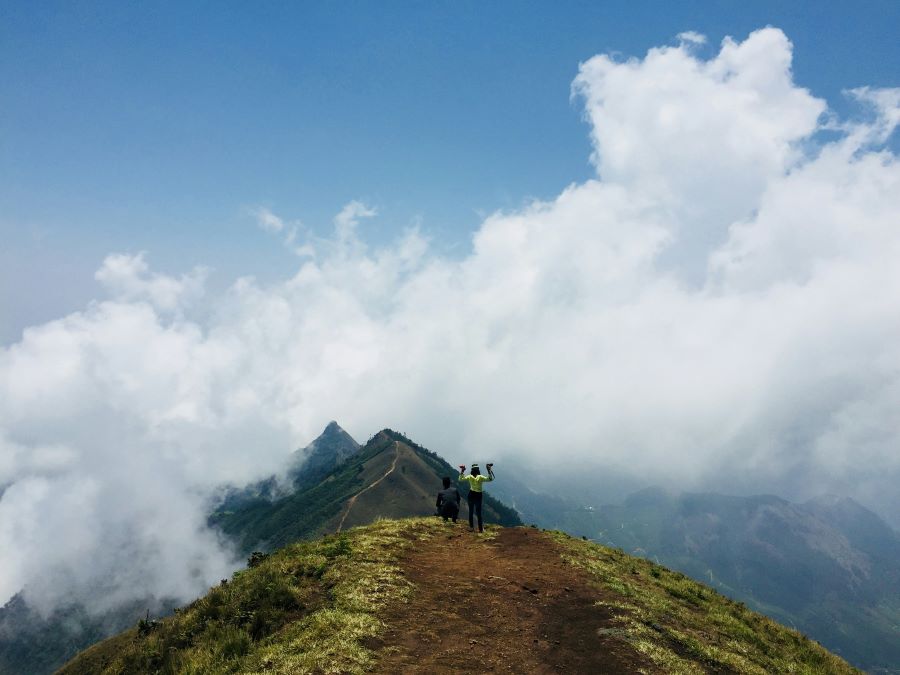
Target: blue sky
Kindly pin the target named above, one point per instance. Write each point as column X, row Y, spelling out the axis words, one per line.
column 131, row 126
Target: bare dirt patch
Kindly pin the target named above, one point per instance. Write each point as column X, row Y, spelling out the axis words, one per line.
column 508, row 604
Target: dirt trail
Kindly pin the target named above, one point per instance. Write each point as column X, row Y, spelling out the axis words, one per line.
column 352, row 499
column 505, row 605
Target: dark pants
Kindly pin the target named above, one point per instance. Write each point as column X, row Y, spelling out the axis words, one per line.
column 475, row 509
column 449, row 510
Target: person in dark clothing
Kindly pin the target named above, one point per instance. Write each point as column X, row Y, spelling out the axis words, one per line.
column 448, row 501
column 476, row 491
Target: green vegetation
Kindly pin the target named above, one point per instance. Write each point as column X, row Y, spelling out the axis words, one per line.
column 495, row 511
column 268, row 524
column 265, row 524
column 309, row 607
column 679, row 623
column 320, row 607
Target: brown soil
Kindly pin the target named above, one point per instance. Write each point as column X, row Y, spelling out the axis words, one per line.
column 510, row 604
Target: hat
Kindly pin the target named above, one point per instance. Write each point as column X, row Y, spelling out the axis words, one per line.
column 475, row 465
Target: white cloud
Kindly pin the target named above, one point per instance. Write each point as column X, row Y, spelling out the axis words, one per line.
column 692, row 37
column 346, row 222
column 267, row 221
column 719, row 308
column 701, row 140
column 128, row 278
column 884, row 108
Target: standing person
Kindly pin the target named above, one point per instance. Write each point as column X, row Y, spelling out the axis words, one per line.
column 476, row 491
column 448, row 501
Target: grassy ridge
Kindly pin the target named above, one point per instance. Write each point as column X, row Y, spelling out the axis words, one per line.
column 317, row 607
column 309, row 607
column 829, row 568
column 686, row 627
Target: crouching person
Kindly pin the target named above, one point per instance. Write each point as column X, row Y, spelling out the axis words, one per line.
column 448, row 501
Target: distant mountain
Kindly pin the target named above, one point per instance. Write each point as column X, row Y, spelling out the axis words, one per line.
column 829, row 567
column 390, row 477
column 332, row 448
column 34, row 644
column 417, row 595
column 305, row 467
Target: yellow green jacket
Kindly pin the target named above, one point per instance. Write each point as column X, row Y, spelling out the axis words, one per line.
column 476, row 483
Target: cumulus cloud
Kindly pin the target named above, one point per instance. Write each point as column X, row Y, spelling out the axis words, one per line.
column 702, row 140
column 128, row 278
column 718, row 308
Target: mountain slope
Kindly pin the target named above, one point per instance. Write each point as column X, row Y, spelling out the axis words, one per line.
column 419, row 595
column 391, row 476
column 829, row 567
column 32, row 643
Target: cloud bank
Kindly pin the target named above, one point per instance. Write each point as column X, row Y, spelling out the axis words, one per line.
column 719, row 307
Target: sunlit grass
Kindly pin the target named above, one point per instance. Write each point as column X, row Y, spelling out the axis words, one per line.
column 686, row 627
column 317, row 607
column 309, row 607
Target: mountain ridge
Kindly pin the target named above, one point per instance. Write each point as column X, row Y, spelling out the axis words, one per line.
column 266, row 523
column 420, row 595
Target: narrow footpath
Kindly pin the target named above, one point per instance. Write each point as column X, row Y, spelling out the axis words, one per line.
column 503, row 605
column 353, row 499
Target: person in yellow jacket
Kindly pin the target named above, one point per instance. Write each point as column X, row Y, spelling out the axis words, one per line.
column 476, row 491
